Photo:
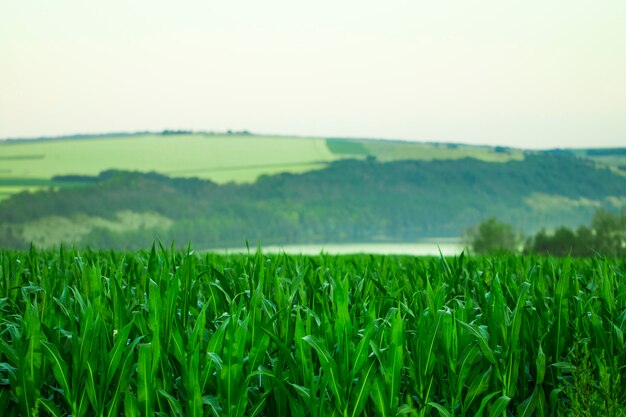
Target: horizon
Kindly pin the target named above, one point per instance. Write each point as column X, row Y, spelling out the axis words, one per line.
column 111, row 135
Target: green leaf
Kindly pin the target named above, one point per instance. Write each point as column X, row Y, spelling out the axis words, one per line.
column 174, row 404
column 479, row 385
column 50, row 407
column 115, row 355
column 361, row 391
column 442, row 411
column 59, row 368
column 393, row 374
column 131, row 406
column 498, row 408
column 484, row 402
column 145, row 380
column 378, row 397
column 329, row 366
column 540, row 364
column 482, row 342
column 214, row 406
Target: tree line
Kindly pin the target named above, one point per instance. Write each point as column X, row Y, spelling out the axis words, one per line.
column 605, row 235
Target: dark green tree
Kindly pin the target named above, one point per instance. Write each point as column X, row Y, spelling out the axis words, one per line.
column 606, row 237
column 492, row 236
column 609, row 232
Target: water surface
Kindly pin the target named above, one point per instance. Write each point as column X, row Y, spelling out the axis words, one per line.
column 424, row 247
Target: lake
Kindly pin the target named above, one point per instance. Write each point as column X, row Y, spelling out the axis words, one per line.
column 423, row 247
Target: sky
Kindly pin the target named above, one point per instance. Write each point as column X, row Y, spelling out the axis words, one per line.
column 529, row 74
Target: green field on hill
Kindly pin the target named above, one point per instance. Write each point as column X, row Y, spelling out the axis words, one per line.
column 30, row 165
column 220, row 158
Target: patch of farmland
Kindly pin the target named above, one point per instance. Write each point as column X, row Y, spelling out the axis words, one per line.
column 400, row 150
column 220, row 158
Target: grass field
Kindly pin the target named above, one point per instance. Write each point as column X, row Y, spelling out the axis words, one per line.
column 398, row 150
column 219, row 158
column 181, row 334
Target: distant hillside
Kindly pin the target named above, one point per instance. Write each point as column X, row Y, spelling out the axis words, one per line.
column 348, row 201
column 35, row 164
column 612, row 157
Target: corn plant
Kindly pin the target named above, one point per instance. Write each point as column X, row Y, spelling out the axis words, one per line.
column 177, row 333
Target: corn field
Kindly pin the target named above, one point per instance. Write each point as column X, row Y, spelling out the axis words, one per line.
column 174, row 333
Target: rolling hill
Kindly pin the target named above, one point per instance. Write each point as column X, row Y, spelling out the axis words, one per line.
column 30, row 165
column 362, row 192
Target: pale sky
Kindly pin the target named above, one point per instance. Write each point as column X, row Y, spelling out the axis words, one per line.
column 531, row 74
